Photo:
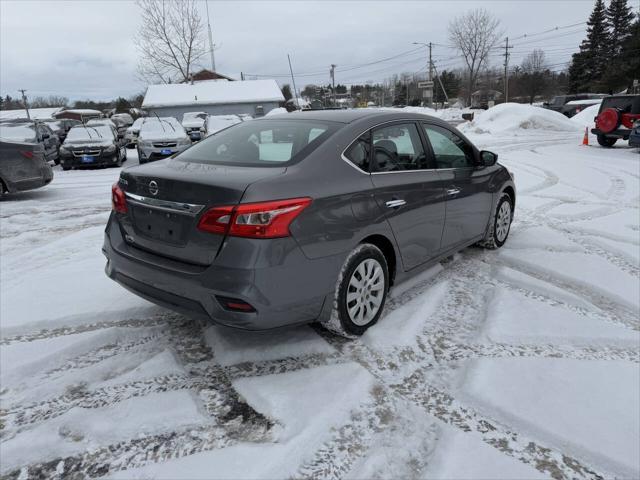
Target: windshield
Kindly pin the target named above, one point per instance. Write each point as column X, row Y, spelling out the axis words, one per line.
column 164, row 126
column 262, row 143
column 18, row 133
column 97, row 132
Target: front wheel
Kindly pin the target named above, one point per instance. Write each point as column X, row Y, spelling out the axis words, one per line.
column 605, row 141
column 361, row 291
column 501, row 225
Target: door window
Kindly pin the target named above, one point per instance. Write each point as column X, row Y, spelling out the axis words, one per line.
column 398, row 148
column 359, row 151
column 449, row 149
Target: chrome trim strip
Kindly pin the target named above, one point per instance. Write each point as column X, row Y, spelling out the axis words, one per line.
column 395, row 203
column 164, row 205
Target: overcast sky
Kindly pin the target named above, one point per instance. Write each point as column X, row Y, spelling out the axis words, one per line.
column 84, row 49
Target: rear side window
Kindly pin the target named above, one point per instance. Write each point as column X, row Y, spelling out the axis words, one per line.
column 397, row 148
column 359, row 152
column 449, row 149
column 260, row 143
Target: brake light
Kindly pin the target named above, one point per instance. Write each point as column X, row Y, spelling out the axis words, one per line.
column 254, row 220
column 118, row 201
column 27, row 154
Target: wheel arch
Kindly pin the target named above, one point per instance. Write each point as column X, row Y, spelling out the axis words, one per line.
column 509, row 190
column 386, row 247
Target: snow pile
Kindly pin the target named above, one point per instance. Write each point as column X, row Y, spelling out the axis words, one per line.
column 514, row 117
column 276, row 111
column 587, row 116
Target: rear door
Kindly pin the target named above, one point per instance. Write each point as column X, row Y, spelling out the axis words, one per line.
column 408, row 190
column 466, row 186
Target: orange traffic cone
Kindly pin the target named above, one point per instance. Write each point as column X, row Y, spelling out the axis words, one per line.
column 585, row 139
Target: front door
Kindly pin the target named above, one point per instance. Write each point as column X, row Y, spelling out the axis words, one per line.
column 409, row 191
column 466, row 186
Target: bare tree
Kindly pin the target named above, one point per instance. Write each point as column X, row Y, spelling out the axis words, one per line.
column 50, row 101
column 170, row 40
column 533, row 67
column 474, row 34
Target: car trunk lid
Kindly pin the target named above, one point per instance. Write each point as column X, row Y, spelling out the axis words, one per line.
column 166, row 199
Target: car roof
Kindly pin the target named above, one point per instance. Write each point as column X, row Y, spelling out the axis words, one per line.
column 353, row 115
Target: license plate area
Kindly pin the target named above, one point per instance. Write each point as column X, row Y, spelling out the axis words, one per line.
column 160, row 225
column 87, row 159
column 166, row 151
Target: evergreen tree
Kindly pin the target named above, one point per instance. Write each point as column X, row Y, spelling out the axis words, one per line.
column 286, row 92
column 619, row 21
column 589, row 64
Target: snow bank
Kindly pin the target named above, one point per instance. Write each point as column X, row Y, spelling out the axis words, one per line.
column 586, row 117
column 514, row 117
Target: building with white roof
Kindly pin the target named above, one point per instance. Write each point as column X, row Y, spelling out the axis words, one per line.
column 215, row 97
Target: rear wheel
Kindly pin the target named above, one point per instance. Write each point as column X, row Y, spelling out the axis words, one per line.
column 361, row 291
column 605, row 141
column 66, row 167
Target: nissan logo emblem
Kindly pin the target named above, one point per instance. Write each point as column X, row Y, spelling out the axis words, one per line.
column 153, row 187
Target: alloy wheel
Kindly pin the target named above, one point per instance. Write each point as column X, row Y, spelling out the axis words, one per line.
column 503, row 221
column 365, row 291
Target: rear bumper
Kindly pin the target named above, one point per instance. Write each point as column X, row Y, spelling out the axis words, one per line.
column 31, row 183
column 282, row 285
column 619, row 133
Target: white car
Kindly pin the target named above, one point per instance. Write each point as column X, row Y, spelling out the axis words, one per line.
column 131, row 135
column 193, row 123
column 215, row 123
column 161, row 137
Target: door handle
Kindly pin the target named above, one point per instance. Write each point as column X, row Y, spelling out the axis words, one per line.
column 453, row 191
column 395, row 203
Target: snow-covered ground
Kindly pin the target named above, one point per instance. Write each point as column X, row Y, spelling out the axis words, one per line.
column 517, row 363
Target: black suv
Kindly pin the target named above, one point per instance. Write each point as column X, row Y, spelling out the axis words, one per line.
column 615, row 118
column 559, row 103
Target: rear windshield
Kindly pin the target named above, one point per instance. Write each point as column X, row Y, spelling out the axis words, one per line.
column 262, row 143
column 18, row 133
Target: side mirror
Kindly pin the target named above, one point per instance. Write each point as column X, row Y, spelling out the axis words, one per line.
column 488, row 158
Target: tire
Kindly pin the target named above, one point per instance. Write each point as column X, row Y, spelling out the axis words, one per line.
column 605, row 141
column 66, row 168
column 500, row 224
column 354, row 311
column 3, row 189
column 57, row 161
column 124, row 158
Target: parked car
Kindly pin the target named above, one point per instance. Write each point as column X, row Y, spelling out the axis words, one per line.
column 32, row 132
column 576, row 106
column 92, row 146
column 61, row 126
column 131, row 135
column 634, row 136
column 615, row 118
column 123, row 118
column 193, row 123
column 215, row 123
column 161, row 137
column 278, row 220
column 23, row 165
column 558, row 102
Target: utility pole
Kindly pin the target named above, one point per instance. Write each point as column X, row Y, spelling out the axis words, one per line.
column 430, row 64
column 506, row 70
column 333, row 81
column 293, row 80
column 24, row 101
column 213, row 60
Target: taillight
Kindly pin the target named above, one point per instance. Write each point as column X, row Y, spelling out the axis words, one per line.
column 27, row 154
column 254, row 220
column 118, row 200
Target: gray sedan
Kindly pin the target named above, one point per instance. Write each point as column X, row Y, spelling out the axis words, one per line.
column 310, row 216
